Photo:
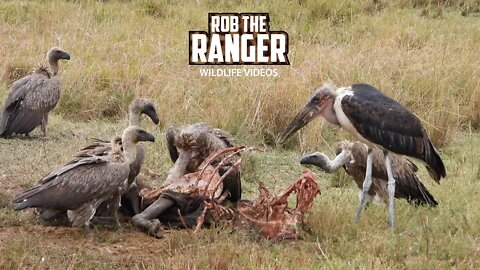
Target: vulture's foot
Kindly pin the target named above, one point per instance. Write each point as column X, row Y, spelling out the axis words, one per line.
column 118, row 226
column 111, row 221
column 151, row 227
column 104, row 220
column 88, row 232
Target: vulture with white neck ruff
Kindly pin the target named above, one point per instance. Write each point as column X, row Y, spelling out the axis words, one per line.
column 130, row 203
column 81, row 185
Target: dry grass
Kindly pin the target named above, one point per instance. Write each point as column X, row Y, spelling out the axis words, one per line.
column 422, row 53
column 122, row 49
column 444, row 237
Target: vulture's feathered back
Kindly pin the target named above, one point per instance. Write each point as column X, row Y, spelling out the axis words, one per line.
column 31, row 98
column 190, row 145
column 353, row 157
column 101, row 148
column 81, row 185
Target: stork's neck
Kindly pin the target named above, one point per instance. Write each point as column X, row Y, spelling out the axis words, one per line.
column 329, row 113
column 53, row 65
column 129, row 150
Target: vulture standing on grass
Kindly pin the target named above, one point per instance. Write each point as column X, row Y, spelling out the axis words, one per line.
column 379, row 122
column 31, row 98
column 81, row 185
column 129, row 202
column 99, row 148
column 353, row 157
column 188, row 147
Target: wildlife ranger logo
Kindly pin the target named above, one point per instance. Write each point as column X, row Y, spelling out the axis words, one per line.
column 238, row 39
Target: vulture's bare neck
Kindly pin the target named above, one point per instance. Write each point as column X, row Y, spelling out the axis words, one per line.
column 133, row 118
column 180, row 166
column 53, row 65
column 129, row 149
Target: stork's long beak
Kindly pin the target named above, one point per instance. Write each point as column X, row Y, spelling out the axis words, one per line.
column 306, row 114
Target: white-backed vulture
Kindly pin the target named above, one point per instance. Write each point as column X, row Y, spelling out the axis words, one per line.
column 102, row 148
column 191, row 144
column 188, row 147
column 32, row 97
column 353, row 157
column 80, row 186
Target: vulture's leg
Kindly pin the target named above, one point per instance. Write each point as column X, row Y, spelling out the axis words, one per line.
column 47, row 214
column 367, row 183
column 44, row 124
column 147, row 220
column 131, row 200
column 116, row 205
column 391, row 190
column 87, row 231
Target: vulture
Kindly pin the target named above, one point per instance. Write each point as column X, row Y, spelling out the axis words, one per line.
column 191, row 144
column 81, row 185
column 101, row 148
column 32, row 97
column 353, row 157
column 188, row 147
column 376, row 120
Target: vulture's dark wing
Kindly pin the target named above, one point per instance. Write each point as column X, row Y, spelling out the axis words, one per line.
column 224, row 136
column 98, row 148
column 29, row 101
column 170, row 134
column 407, row 186
column 385, row 122
column 72, row 185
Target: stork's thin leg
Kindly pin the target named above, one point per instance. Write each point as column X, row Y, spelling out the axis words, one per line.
column 367, row 183
column 391, row 191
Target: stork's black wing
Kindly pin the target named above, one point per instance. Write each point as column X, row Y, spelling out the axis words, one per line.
column 385, row 122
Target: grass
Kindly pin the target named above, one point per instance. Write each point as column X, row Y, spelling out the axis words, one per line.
column 444, row 237
column 422, row 53
column 123, row 49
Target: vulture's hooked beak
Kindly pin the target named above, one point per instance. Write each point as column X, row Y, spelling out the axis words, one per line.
column 65, row 56
column 306, row 114
column 308, row 160
column 152, row 113
column 318, row 159
column 146, row 137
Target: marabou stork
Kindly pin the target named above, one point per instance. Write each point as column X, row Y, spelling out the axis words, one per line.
column 376, row 120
